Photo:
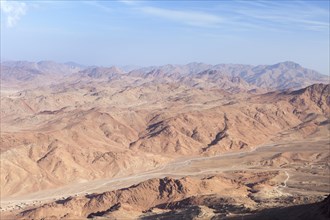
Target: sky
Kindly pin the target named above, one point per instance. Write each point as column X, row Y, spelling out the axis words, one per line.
column 143, row 33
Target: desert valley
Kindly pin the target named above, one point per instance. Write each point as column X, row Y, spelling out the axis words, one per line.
column 194, row 141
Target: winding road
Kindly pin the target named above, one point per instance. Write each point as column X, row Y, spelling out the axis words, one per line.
column 235, row 161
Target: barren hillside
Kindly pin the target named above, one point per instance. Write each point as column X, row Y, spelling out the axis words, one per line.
column 97, row 123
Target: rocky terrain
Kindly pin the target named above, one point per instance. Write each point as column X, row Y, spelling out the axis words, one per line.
column 195, row 141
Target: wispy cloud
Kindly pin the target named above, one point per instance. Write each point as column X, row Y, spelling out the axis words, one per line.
column 193, row 18
column 296, row 15
column 282, row 21
column 13, row 11
column 241, row 15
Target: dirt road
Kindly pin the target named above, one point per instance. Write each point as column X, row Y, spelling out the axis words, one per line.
column 179, row 168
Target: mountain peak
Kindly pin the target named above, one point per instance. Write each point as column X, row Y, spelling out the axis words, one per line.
column 286, row 64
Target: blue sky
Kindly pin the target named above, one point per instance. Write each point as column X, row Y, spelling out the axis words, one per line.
column 160, row 32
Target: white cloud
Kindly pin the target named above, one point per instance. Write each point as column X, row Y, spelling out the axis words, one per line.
column 13, row 11
column 193, row 18
column 285, row 15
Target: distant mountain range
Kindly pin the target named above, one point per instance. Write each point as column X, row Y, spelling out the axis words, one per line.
column 231, row 77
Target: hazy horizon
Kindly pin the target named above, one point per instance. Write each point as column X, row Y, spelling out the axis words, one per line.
column 146, row 66
column 145, row 33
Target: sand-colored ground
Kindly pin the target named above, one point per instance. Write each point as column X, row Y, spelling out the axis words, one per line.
column 300, row 178
column 81, row 136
